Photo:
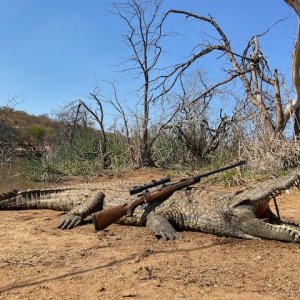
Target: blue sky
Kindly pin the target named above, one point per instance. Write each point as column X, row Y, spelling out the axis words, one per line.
column 54, row 51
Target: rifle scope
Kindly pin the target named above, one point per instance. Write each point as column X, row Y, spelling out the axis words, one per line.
column 153, row 183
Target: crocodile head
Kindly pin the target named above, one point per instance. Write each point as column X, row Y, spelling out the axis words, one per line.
column 250, row 212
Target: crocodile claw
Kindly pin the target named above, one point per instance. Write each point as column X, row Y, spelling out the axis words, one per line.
column 166, row 235
column 70, row 221
column 160, row 227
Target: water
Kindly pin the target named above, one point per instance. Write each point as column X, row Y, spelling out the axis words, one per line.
column 11, row 177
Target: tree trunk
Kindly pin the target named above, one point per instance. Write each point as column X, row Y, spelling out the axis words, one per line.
column 297, row 125
column 295, row 104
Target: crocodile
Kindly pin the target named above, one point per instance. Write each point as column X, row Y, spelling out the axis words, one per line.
column 243, row 214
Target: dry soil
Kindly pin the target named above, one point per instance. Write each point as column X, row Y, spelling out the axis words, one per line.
column 39, row 261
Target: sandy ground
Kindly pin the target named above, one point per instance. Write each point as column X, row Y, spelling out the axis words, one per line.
column 39, row 261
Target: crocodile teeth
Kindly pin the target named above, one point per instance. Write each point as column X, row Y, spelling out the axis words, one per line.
column 287, row 191
column 277, row 192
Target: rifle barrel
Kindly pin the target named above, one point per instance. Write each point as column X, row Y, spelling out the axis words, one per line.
column 240, row 163
column 178, row 186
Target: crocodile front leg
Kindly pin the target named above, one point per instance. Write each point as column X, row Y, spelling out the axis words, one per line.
column 75, row 216
column 159, row 225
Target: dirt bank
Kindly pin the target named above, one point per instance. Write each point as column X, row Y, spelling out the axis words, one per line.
column 39, row 261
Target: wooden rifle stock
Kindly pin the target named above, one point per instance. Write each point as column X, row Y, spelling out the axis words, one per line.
column 104, row 218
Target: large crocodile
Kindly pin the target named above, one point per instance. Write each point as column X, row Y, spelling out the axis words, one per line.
column 243, row 214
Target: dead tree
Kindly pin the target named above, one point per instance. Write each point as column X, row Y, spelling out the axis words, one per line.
column 143, row 39
column 78, row 117
column 192, row 124
column 117, row 105
column 131, row 130
column 72, row 120
column 250, row 68
column 98, row 116
column 294, row 105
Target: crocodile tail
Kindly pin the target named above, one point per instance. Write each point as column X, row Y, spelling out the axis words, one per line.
column 34, row 199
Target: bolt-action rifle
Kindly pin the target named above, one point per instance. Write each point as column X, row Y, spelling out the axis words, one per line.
column 104, row 218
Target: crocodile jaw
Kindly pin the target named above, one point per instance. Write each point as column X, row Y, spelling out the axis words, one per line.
column 252, row 215
column 255, row 218
column 281, row 230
